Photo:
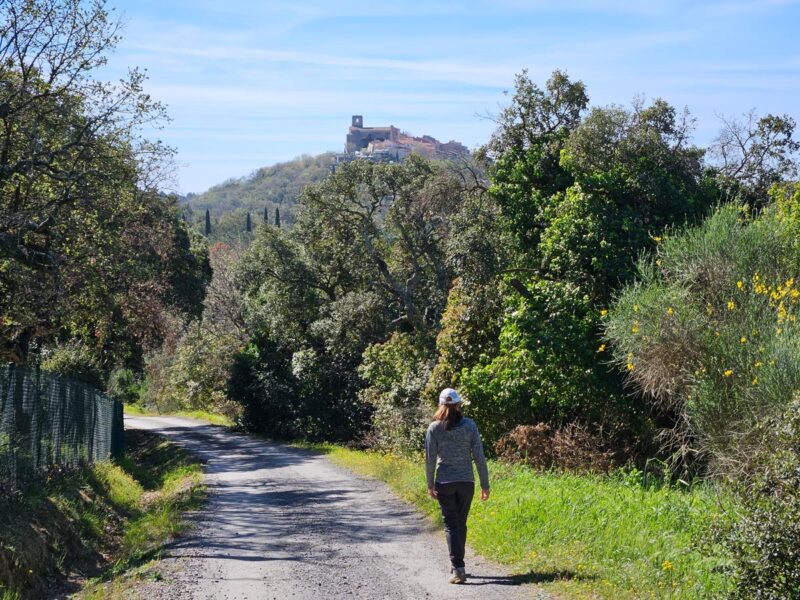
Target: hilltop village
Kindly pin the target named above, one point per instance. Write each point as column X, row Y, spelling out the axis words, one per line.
column 390, row 144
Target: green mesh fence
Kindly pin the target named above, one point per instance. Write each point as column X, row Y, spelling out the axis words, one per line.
column 49, row 421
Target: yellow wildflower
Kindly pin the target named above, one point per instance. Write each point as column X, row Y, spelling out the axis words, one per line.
column 630, row 366
column 740, row 284
column 666, row 566
column 755, row 380
column 759, row 364
column 603, row 312
column 731, row 305
column 728, row 372
column 743, row 339
column 635, row 328
column 656, row 238
column 670, row 312
column 602, row 348
column 658, row 262
column 635, row 308
column 781, row 313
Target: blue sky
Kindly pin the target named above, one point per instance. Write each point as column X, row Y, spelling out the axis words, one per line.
column 252, row 83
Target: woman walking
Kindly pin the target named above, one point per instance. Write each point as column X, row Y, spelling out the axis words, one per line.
column 451, row 444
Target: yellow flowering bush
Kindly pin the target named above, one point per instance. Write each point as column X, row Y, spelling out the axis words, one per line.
column 708, row 334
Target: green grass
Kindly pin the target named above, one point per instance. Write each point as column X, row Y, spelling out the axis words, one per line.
column 106, row 518
column 579, row 536
column 215, row 419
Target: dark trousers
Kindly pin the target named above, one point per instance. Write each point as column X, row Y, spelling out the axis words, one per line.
column 454, row 500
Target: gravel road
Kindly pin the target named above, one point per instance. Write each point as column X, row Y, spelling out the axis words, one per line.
column 282, row 523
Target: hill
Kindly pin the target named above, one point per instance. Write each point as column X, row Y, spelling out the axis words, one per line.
column 268, row 188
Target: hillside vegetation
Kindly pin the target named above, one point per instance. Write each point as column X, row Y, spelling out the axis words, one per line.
column 277, row 186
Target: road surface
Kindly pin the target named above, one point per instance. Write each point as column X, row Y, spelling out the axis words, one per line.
column 286, row 524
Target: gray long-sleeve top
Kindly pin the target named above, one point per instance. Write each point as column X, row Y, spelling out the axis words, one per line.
column 449, row 453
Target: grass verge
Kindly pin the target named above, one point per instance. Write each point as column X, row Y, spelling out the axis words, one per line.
column 578, row 536
column 98, row 521
column 215, row 419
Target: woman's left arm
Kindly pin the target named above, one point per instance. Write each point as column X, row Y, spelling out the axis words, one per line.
column 480, row 462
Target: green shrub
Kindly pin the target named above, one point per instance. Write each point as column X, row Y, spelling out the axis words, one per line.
column 469, row 330
column 764, row 538
column 197, row 376
column 709, row 334
column 76, row 360
column 261, row 382
column 546, row 368
column 396, row 372
column 123, row 385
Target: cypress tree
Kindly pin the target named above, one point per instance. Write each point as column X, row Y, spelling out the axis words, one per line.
column 249, row 223
column 277, row 217
column 266, row 215
column 208, row 222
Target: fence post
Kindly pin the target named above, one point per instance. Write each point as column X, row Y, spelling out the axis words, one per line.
column 118, row 432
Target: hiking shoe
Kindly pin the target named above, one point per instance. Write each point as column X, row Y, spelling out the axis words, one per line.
column 458, row 576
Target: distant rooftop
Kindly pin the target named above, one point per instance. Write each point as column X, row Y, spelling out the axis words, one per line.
column 389, row 143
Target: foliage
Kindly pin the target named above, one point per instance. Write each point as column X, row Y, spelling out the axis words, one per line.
column 526, row 148
column 365, row 258
column 470, row 326
column 269, row 190
column 262, row 383
column 569, row 448
column 764, row 536
column 396, row 372
column 123, row 386
column 76, row 360
column 197, row 376
column 754, row 153
column 709, row 333
column 540, row 373
column 190, row 370
column 89, row 247
column 582, row 197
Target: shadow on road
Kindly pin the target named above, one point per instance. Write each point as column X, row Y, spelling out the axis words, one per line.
column 529, row 577
column 284, row 520
column 256, row 516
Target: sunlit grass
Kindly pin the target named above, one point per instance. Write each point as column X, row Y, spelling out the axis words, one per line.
column 128, row 510
column 578, row 535
column 136, row 410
